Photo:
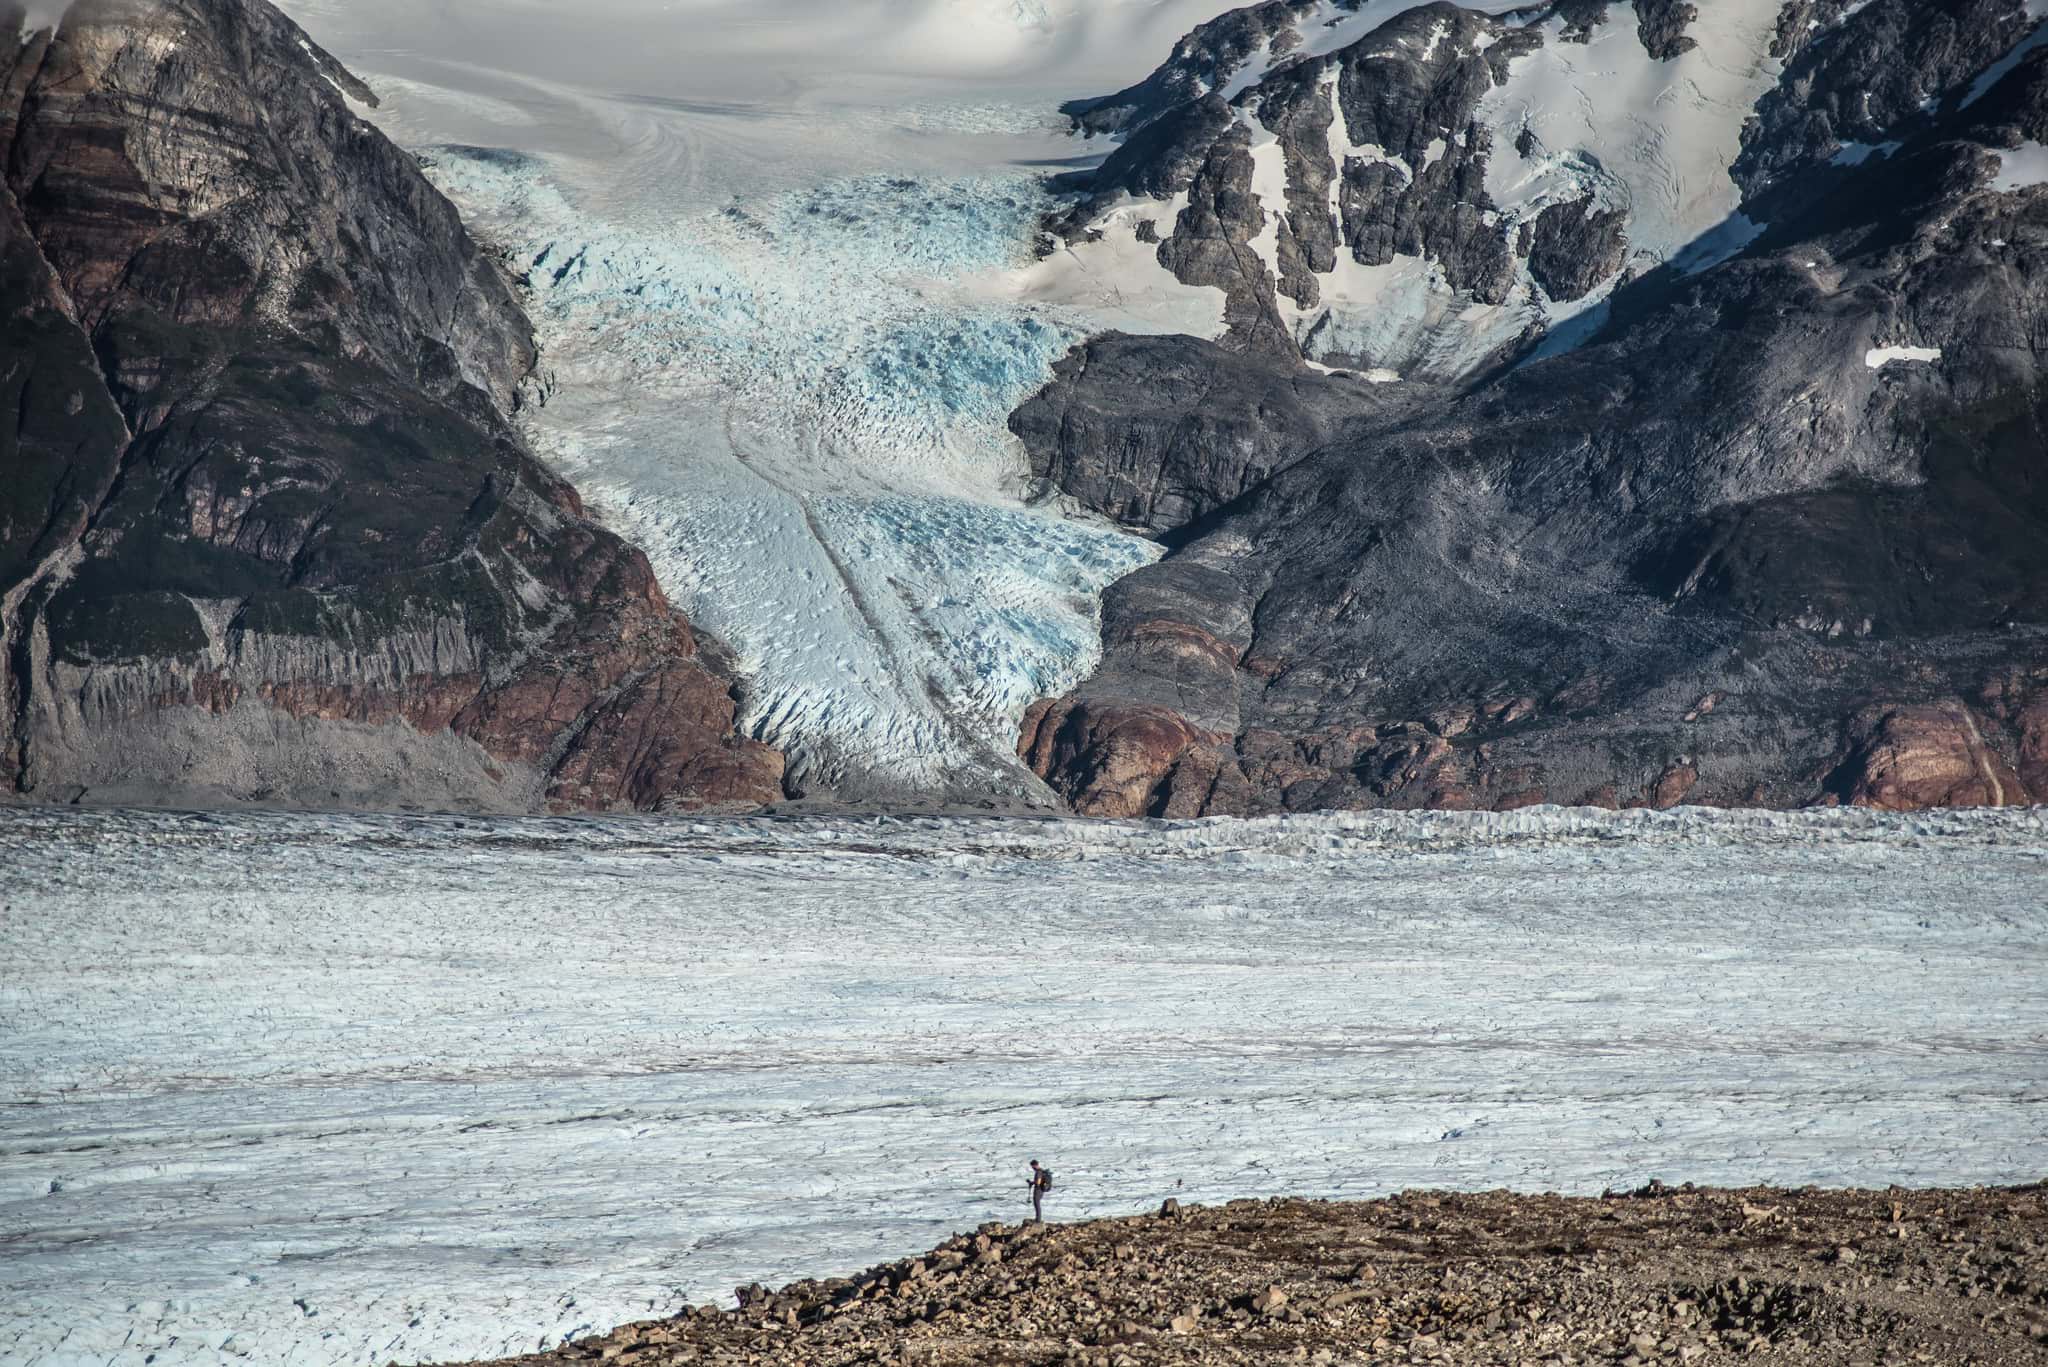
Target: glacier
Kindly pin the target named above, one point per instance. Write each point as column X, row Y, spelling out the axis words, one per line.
column 811, row 447
column 786, row 288
column 349, row 1090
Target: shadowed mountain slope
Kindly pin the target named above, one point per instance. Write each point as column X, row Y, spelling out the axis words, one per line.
column 1765, row 529
column 267, row 532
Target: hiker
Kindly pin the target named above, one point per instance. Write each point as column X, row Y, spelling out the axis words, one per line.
column 1041, row 1183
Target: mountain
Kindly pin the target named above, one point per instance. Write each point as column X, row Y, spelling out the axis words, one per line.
column 1593, row 402
column 1612, row 404
column 268, row 531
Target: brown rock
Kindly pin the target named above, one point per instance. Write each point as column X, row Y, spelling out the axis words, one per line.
column 1912, row 758
column 1673, row 785
column 268, row 319
column 1111, row 761
column 1178, row 645
column 2033, row 756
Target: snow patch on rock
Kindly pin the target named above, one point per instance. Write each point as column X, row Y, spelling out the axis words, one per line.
column 1404, row 318
column 1269, row 186
column 1856, row 153
column 2000, row 69
column 1663, row 134
column 2020, row 168
column 1117, row 281
column 1877, row 358
column 1723, row 242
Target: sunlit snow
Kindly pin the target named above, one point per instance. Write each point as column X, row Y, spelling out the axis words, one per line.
column 2021, row 168
column 330, row 1090
column 1602, row 119
column 1877, row 358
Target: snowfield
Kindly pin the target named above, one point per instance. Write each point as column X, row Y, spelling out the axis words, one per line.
column 325, row 1090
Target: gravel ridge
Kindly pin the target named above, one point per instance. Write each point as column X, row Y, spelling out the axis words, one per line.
column 1658, row 1275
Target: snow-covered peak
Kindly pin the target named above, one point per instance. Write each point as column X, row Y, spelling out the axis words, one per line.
column 1426, row 187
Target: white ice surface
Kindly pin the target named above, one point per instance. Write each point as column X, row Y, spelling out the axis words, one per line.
column 1654, row 137
column 323, row 1090
column 1877, row 358
column 786, row 297
column 791, row 404
column 2020, row 168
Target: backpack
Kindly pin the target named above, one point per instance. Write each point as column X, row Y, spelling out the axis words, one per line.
column 1045, row 1179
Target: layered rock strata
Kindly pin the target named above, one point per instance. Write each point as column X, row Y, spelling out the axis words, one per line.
column 267, row 529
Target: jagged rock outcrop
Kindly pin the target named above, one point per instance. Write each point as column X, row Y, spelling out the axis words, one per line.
column 1774, row 534
column 267, row 531
column 1128, row 426
column 1429, row 188
column 1300, row 162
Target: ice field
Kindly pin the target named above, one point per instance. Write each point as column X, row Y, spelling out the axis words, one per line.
column 325, row 1090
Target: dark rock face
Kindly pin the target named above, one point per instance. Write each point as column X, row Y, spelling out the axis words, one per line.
column 1736, row 549
column 1397, row 141
column 1662, row 25
column 1202, row 61
column 1874, row 81
column 1572, row 247
column 266, row 530
column 1128, row 427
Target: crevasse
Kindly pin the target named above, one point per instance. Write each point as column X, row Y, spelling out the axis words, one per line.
column 788, row 401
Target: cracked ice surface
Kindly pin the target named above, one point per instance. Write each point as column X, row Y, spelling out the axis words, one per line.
column 759, row 268
column 326, row 1090
column 785, row 401
column 788, row 403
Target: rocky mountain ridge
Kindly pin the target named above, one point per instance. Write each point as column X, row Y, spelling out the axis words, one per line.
column 1766, row 529
column 1428, row 189
column 268, row 531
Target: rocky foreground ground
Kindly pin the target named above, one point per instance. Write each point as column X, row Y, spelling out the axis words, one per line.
column 1660, row 1275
